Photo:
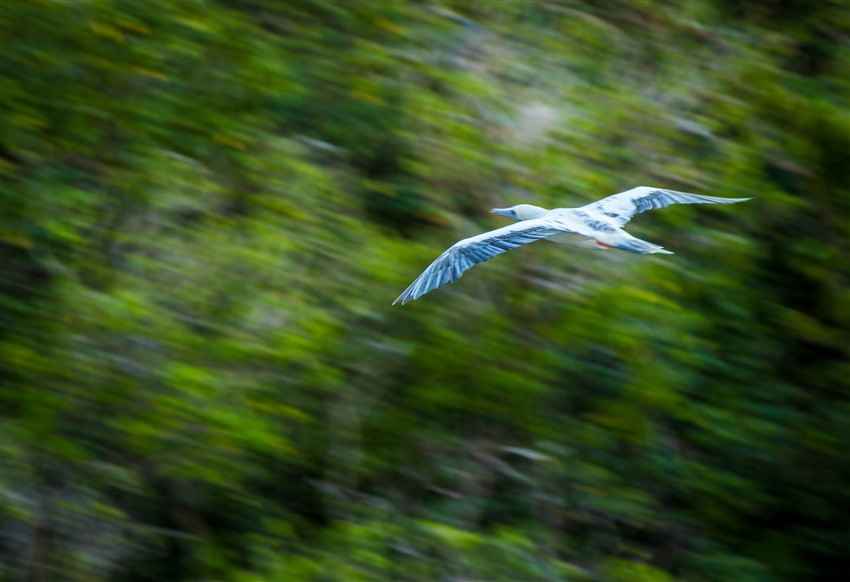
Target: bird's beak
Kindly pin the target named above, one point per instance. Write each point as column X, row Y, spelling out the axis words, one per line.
column 501, row 211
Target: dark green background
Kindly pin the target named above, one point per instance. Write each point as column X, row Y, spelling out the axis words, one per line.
column 207, row 207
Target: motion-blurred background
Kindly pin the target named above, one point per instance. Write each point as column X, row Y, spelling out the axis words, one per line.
column 207, row 207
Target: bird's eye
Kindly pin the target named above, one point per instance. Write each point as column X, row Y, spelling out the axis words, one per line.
column 513, row 212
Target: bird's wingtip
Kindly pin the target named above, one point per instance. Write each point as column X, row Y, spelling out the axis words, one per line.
column 403, row 299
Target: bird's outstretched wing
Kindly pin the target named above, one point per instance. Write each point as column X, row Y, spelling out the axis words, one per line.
column 623, row 206
column 464, row 254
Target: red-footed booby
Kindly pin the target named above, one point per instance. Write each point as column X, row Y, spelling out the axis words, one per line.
column 602, row 221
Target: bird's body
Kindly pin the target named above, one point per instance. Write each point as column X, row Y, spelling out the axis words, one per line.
column 601, row 221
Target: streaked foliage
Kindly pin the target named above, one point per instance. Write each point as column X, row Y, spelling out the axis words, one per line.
column 207, row 207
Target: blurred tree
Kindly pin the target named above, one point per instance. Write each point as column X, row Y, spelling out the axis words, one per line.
column 206, row 209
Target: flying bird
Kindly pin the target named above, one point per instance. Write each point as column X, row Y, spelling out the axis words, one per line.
column 601, row 221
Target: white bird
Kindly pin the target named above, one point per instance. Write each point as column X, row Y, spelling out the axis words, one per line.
column 601, row 221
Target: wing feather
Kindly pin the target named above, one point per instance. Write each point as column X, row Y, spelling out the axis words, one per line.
column 465, row 254
column 625, row 205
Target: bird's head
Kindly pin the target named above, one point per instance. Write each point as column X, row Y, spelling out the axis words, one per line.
column 520, row 212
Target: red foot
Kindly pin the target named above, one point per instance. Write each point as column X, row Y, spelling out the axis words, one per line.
column 603, row 245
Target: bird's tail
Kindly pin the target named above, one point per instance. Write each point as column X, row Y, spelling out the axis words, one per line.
column 635, row 245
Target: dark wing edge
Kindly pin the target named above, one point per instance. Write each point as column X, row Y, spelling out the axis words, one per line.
column 465, row 254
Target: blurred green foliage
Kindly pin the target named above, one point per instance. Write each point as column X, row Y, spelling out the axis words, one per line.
column 207, row 207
